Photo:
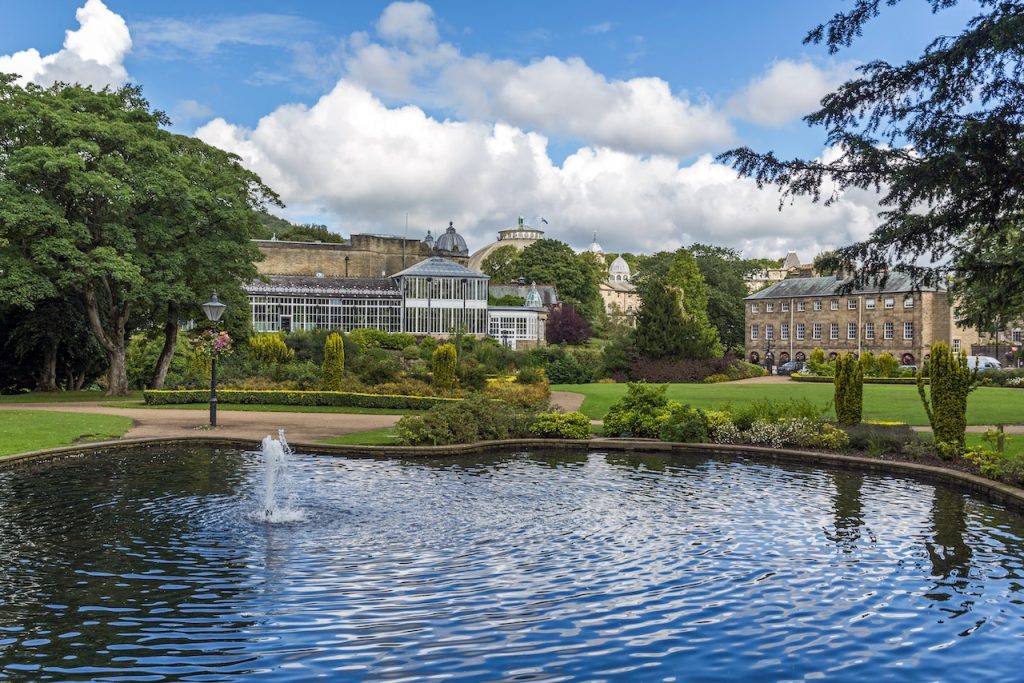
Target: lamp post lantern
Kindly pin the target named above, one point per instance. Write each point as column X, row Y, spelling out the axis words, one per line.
column 213, row 309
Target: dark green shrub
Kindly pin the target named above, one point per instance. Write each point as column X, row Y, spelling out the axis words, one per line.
column 427, row 347
column 474, row 419
column 951, row 381
column 472, row 376
column 567, row 370
column 640, row 413
column 561, row 426
column 531, row 376
column 881, row 439
column 443, row 366
column 308, row 345
column 685, row 424
column 376, row 366
column 334, row 363
column 849, row 389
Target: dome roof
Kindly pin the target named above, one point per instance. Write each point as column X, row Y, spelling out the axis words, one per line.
column 594, row 247
column 619, row 265
column 451, row 241
column 533, row 299
column 429, row 240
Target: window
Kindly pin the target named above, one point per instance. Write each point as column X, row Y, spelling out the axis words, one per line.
column 800, row 306
column 784, row 331
column 816, row 331
column 908, row 302
column 769, row 331
column 833, row 331
column 753, row 332
column 785, row 307
column 887, row 330
column 817, row 305
column 869, row 330
column 869, row 304
column 801, row 329
column 1018, row 336
column 753, row 308
column 889, row 303
column 769, row 308
column 956, row 346
column 851, row 304
column 835, row 304
column 851, row 330
column 908, row 330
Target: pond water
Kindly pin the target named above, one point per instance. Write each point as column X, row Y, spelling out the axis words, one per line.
column 150, row 566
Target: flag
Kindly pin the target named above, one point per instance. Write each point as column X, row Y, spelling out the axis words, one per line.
column 544, row 221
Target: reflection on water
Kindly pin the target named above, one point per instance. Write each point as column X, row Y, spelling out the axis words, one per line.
column 536, row 566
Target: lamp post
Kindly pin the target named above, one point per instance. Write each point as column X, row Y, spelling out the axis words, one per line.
column 213, row 309
column 464, row 285
column 768, row 356
column 430, row 316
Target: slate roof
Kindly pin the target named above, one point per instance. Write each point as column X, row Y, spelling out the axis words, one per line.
column 324, row 286
column 800, row 287
column 435, row 266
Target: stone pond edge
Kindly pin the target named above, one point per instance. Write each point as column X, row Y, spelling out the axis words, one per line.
column 1008, row 495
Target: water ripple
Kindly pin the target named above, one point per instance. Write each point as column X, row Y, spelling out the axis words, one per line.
column 518, row 566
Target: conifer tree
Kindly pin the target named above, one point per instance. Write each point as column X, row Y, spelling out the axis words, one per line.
column 443, row 364
column 334, row 362
column 951, row 380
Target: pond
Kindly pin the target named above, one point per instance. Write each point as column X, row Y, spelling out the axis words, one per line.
column 529, row 566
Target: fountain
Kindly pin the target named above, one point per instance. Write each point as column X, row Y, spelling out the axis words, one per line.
column 277, row 504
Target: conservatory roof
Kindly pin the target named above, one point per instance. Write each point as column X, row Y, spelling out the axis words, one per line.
column 435, row 266
column 323, row 286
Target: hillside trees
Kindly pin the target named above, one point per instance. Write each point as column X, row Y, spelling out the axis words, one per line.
column 939, row 137
column 98, row 201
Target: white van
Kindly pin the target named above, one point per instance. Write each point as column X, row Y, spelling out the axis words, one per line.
column 983, row 363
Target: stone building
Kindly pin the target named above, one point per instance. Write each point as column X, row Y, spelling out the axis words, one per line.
column 797, row 315
column 791, row 267
column 361, row 256
column 519, row 236
column 618, row 293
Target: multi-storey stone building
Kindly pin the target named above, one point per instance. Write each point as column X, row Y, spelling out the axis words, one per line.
column 797, row 315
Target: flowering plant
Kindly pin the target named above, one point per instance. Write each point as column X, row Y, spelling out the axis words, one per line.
column 212, row 343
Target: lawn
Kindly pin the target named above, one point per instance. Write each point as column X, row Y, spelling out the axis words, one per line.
column 31, row 430
column 371, row 437
column 888, row 402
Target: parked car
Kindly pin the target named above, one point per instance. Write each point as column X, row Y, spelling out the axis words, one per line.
column 983, row 363
column 904, row 368
column 790, row 367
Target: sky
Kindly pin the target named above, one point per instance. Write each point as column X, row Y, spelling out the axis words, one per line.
column 599, row 117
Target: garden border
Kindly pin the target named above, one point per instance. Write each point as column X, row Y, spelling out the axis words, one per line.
column 1011, row 496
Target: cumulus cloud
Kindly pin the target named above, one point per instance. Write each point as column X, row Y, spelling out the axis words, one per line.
column 92, row 55
column 786, row 91
column 554, row 96
column 362, row 165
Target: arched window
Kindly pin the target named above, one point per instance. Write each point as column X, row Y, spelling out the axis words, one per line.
column 907, row 359
column 755, row 357
column 784, row 357
column 801, row 356
column 833, row 355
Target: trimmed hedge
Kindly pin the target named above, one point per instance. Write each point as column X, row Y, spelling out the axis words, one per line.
column 911, row 381
column 296, row 398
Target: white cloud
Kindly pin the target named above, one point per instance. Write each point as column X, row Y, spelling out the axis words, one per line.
column 408, row 21
column 786, row 91
column 190, row 110
column 362, row 165
column 92, row 55
column 173, row 37
column 603, row 27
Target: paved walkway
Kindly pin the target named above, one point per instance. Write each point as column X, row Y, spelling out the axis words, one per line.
column 155, row 422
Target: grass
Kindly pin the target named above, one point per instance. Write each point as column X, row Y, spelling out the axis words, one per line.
column 268, row 408
column 986, row 405
column 30, row 430
column 371, row 437
column 66, row 397
column 1014, row 444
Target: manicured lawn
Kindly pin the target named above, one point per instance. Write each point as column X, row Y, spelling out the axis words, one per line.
column 66, row 397
column 986, row 405
column 270, row 408
column 30, row 430
column 1014, row 444
column 371, row 437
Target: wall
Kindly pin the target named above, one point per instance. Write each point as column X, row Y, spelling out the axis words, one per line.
column 362, row 256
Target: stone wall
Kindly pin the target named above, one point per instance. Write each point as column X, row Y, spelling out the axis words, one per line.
column 361, row 256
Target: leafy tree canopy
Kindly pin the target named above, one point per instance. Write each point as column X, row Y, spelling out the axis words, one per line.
column 574, row 275
column 939, row 137
column 275, row 226
column 502, row 265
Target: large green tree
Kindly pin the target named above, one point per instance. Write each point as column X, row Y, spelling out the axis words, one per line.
column 939, row 137
column 724, row 273
column 99, row 201
column 574, row 275
column 502, row 265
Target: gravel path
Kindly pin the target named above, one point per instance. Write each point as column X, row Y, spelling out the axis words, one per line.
column 154, row 422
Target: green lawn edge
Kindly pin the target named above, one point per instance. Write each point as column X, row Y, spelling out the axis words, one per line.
column 883, row 402
column 386, row 436
column 22, row 431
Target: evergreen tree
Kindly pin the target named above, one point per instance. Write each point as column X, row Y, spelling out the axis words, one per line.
column 334, row 362
column 940, row 137
column 443, row 362
column 849, row 389
column 660, row 324
column 950, row 381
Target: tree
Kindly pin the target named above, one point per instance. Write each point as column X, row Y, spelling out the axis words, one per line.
column 724, row 273
column 334, row 362
column 443, row 363
column 849, row 389
column 939, row 137
column 566, row 326
column 99, row 202
column 575, row 276
column 660, row 324
column 950, row 380
column 502, row 265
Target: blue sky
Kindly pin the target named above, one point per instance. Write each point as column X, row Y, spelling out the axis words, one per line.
column 598, row 115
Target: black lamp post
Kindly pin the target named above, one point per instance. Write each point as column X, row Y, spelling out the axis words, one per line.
column 213, row 309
